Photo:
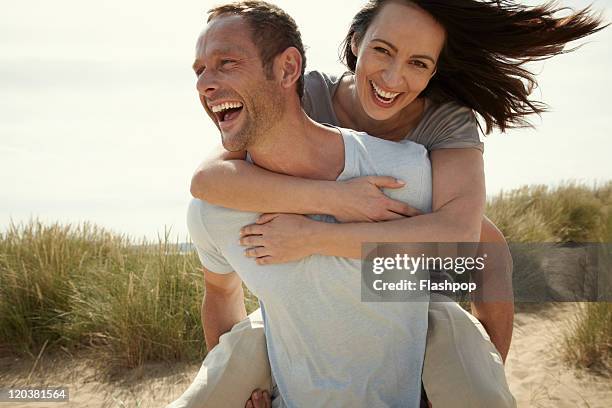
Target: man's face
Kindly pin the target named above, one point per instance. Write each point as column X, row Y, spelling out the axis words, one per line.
column 234, row 89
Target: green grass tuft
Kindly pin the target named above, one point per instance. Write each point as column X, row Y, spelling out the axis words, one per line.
column 82, row 286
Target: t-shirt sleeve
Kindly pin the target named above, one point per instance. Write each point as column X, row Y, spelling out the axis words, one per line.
column 208, row 252
column 452, row 126
column 311, row 84
column 317, row 99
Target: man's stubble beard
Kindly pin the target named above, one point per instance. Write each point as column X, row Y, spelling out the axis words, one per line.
column 266, row 111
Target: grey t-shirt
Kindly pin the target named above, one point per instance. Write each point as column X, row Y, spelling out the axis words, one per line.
column 327, row 348
column 443, row 126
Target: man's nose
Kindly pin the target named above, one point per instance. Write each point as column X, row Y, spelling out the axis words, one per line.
column 393, row 76
column 206, row 84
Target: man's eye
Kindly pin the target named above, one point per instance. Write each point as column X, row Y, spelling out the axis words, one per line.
column 199, row 71
column 226, row 62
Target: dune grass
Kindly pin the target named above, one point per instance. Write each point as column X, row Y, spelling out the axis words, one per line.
column 84, row 287
column 588, row 340
column 568, row 213
column 80, row 287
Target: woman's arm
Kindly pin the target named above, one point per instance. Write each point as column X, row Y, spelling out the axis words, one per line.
column 226, row 179
column 458, row 206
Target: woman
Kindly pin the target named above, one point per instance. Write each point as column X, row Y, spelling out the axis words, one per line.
column 462, row 56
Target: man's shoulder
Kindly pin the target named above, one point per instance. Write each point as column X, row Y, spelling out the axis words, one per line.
column 218, row 220
column 374, row 144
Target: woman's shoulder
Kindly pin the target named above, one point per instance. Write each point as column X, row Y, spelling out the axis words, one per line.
column 314, row 79
column 447, row 124
column 446, row 111
column 319, row 90
column 319, row 85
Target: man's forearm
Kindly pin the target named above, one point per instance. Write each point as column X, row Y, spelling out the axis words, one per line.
column 493, row 301
column 220, row 312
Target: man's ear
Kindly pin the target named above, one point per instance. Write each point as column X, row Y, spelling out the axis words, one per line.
column 288, row 66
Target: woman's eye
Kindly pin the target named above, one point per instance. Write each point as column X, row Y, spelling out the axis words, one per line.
column 419, row 64
column 381, row 50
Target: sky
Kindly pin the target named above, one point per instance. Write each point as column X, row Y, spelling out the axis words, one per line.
column 100, row 120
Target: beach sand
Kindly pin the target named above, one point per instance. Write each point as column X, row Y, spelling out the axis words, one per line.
column 536, row 375
column 535, row 371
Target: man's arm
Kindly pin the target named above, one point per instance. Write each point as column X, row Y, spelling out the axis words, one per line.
column 493, row 302
column 223, row 305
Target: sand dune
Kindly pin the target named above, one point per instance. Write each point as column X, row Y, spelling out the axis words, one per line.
column 536, row 375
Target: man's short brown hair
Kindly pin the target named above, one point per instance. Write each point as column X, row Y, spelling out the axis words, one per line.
column 272, row 31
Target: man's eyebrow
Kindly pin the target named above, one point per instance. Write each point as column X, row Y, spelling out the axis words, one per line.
column 233, row 51
column 394, row 48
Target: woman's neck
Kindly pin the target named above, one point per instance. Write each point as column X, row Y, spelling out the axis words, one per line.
column 351, row 114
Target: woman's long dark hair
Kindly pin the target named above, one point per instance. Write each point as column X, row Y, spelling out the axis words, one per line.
column 487, row 43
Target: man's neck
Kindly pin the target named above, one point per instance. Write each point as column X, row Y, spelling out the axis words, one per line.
column 298, row 146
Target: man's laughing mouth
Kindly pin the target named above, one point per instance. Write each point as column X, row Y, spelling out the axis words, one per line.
column 226, row 112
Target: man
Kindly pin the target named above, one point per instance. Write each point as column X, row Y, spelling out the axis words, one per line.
column 326, row 347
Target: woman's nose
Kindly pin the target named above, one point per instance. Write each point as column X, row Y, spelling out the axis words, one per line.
column 393, row 76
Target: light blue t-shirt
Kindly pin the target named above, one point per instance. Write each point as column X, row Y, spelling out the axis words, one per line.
column 327, row 348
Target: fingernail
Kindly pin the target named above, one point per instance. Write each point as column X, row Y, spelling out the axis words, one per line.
column 257, row 395
column 400, row 181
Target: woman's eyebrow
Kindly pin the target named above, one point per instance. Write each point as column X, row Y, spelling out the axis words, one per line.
column 394, row 48
column 427, row 57
column 387, row 43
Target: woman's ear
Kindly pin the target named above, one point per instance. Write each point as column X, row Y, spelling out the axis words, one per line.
column 289, row 67
column 354, row 46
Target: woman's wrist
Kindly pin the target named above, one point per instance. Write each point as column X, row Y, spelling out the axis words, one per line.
column 326, row 197
column 317, row 237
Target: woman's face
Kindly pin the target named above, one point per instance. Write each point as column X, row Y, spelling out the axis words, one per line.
column 396, row 58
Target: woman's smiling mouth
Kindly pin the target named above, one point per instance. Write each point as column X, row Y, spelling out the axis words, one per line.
column 383, row 97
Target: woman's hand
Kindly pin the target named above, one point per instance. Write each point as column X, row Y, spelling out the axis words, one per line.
column 361, row 199
column 278, row 238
